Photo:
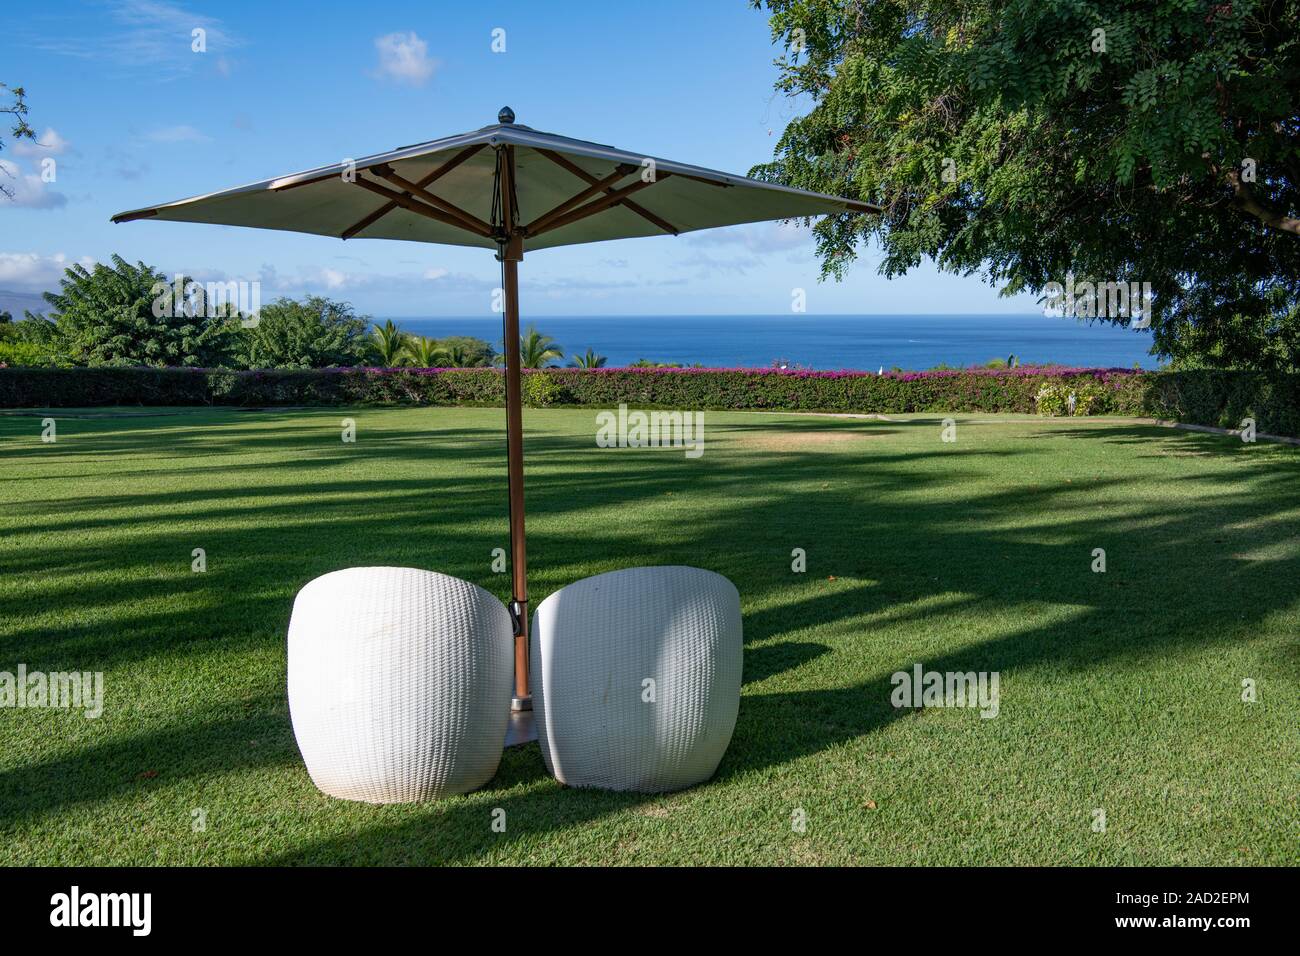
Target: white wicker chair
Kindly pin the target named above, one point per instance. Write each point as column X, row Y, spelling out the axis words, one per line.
column 596, row 644
column 399, row 683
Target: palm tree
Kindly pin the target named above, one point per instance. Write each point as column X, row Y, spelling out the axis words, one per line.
column 389, row 343
column 420, row 352
column 590, row 360
column 536, row 350
column 458, row 356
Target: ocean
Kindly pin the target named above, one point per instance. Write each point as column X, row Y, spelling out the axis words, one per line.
column 822, row 341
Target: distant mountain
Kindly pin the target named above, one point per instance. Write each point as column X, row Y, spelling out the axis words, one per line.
column 17, row 303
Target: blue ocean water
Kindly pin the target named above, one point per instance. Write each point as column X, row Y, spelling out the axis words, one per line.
column 823, row 341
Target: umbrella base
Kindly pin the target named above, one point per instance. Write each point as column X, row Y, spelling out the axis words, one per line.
column 522, row 729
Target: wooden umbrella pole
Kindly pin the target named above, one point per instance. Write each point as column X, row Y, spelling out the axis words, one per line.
column 511, row 253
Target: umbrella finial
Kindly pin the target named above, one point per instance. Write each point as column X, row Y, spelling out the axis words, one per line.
column 507, row 115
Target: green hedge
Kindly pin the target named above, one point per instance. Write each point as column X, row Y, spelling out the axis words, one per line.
column 1195, row 397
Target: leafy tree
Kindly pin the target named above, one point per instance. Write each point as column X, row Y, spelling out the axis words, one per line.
column 37, row 329
column 1031, row 140
column 126, row 315
column 15, row 105
column 1269, row 341
column 590, row 360
column 15, row 346
column 388, row 343
column 536, row 350
column 314, row 333
column 18, row 352
column 465, row 351
column 420, row 352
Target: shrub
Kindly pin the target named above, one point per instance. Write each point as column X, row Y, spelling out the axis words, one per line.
column 541, row 390
column 1079, row 397
column 18, row 352
column 1204, row 397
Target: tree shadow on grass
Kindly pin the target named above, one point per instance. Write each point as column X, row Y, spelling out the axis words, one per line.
column 248, row 736
column 883, row 520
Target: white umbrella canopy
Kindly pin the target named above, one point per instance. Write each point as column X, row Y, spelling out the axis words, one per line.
column 510, row 188
column 600, row 193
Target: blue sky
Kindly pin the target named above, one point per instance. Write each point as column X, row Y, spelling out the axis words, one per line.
column 132, row 115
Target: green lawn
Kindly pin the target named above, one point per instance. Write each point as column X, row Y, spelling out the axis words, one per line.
column 1120, row 691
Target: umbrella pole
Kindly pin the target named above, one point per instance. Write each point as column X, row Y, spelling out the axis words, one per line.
column 515, row 463
column 521, row 728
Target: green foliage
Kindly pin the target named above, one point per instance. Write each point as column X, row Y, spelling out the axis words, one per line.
column 590, row 360
column 1004, row 137
column 14, row 104
column 465, row 351
column 16, row 352
column 392, row 346
column 1077, row 397
column 420, row 352
column 536, row 350
column 1268, row 340
column 21, row 343
column 388, row 343
column 31, row 341
column 128, row 315
column 314, row 333
column 541, row 390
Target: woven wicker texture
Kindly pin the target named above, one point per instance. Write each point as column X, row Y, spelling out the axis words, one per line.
column 595, row 644
column 399, row 683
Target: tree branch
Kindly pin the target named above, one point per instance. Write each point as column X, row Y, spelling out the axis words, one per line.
column 1245, row 200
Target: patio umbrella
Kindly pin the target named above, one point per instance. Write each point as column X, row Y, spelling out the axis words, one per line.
column 513, row 189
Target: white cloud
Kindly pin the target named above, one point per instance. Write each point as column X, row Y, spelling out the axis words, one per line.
column 33, row 272
column 404, row 58
column 29, row 190
column 150, row 35
column 312, row 280
column 177, row 134
column 49, row 143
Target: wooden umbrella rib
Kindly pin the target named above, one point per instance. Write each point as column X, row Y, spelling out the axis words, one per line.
column 415, row 189
column 612, row 198
column 596, row 186
column 406, row 202
column 564, row 163
column 645, row 213
column 437, row 174
column 368, row 221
